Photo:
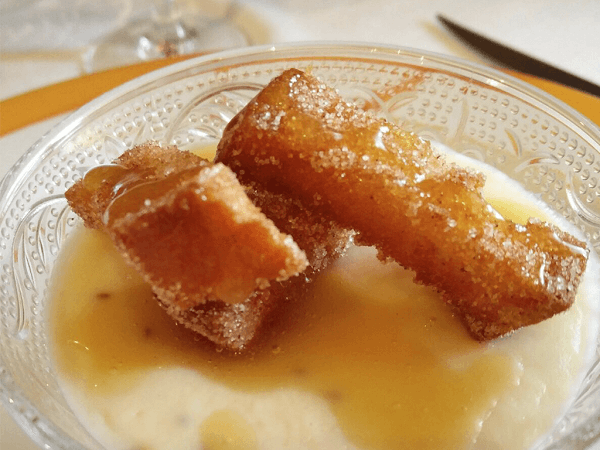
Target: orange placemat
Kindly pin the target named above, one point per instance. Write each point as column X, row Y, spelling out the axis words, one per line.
column 44, row 103
column 40, row 104
column 586, row 104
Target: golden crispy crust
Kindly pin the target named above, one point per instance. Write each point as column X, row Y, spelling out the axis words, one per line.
column 188, row 227
column 234, row 326
column 186, row 224
column 298, row 136
column 91, row 196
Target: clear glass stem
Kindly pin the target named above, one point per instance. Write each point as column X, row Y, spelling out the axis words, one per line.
column 167, row 32
column 164, row 11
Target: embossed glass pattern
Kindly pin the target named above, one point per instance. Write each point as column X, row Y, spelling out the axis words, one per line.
column 549, row 148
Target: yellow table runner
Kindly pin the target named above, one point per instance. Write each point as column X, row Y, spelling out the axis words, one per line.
column 40, row 104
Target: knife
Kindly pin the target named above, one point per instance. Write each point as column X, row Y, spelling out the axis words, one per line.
column 516, row 60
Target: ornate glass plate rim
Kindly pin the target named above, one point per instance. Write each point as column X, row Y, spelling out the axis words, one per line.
column 478, row 82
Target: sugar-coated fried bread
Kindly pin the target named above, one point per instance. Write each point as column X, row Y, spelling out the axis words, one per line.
column 322, row 239
column 230, row 326
column 299, row 137
column 91, row 196
column 192, row 232
column 234, row 326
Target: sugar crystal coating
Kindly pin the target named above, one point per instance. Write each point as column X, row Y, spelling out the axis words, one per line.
column 323, row 241
column 190, row 230
column 300, row 137
column 174, row 215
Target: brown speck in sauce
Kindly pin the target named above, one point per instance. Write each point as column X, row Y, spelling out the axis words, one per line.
column 300, row 372
column 332, row 396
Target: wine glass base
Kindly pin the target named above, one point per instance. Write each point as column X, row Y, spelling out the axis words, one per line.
column 145, row 40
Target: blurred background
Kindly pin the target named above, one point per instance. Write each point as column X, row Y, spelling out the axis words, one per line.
column 44, row 41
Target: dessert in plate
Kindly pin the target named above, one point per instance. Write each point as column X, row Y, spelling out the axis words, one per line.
column 332, row 344
column 340, row 356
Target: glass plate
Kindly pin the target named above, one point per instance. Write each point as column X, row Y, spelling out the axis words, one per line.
column 545, row 145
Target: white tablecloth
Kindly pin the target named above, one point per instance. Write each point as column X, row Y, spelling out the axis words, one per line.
column 40, row 41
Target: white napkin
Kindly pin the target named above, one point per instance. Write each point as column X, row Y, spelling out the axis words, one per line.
column 560, row 33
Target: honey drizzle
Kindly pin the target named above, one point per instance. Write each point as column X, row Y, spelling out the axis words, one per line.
column 395, row 366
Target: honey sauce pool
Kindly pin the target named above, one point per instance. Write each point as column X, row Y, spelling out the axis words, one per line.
column 367, row 359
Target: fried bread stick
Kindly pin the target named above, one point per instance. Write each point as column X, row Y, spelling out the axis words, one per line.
column 188, row 227
column 133, row 200
column 298, row 136
column 234, row 326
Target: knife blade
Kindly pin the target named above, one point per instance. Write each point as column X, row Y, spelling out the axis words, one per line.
column 516, row 60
